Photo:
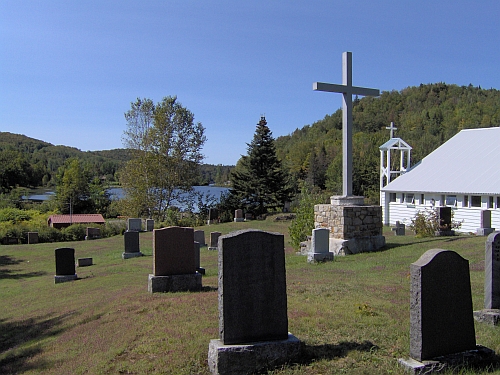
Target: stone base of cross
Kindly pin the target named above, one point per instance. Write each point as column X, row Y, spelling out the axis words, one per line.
column 343, row 200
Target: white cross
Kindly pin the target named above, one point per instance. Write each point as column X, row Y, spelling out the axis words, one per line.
column 348, row 90
column 391, row 128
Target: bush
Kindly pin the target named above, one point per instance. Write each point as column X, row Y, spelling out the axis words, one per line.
column 75, row 232
column 426, row 223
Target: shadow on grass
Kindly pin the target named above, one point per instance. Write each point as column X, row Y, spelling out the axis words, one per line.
column 5, row 273
column 16, row 359
column 396, row 245
column 209, row 289
column 311, row 353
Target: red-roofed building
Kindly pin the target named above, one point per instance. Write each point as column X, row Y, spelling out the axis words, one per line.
column 63, row 221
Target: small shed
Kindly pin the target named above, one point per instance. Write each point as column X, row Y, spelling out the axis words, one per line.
column 63, row 221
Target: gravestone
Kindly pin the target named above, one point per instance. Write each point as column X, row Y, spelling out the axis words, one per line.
column 197, row 258
column 134, row 225
column 444, row 219
column 399, row 229
column 213, row 216
column 32, row 237
column 441, row 316
column 150, row 225
column 320, row 251
column 248, row 216
column 131, row 242
column 491, row 312
column 485, row 228
column 84, row 262
column 214, row 239
column 65, row 265
column 174, row 267
column 238, row 215
column 92, row 233
column 199, row 236
column 253, row 322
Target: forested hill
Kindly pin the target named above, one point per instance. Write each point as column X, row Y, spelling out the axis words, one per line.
column 26, row 161
column 425, row 117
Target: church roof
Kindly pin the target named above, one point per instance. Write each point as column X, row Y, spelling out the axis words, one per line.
column 465, row 164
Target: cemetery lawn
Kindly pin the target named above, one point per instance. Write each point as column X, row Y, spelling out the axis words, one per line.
column 351, row 314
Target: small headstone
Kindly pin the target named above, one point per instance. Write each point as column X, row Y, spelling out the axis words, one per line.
column 238, row 215
column 248, row 216
column 214, row 239
column 32, row 237
column 399, row 229
column 84, row 262
column 485, row 228
column 150, row 225
column 174, row 265
column 197, row 258
column 65, row 265
column 444, row 218
column 441, row 317
column 253, row 322
column 491, row 312
column 319, row 251
column 93, row 233
column 134, row 225
column 213, row 216
column 131, row 242
column 199, row 236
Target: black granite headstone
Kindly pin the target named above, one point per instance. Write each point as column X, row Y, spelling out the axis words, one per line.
column 252, row 287
column 441, row 316
column 492, row 272
column 65, row 261
column 131, row 239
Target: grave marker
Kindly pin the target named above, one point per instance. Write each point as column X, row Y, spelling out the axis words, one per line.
column 214, row 239
column 131, row 244
column 485, row 228
column 441, row 317
column 65, row 265
column 174, row 267
column 253, row 322
column 134, row 224
column 199, row 236
column 238, row 215
column 320, row 251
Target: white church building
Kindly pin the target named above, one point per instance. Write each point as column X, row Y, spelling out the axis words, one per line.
column 463, row 173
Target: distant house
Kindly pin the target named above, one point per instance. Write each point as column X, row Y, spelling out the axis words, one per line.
column 463, row 173
column 63, row 221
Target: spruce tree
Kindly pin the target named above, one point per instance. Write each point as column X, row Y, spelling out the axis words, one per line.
column 259, row 181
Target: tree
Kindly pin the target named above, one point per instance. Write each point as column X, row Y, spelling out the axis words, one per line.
column 259, row 181
column 72, row 189
column 165, row 143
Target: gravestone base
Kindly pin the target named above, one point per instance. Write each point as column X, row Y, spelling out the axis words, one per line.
column 319, row 257
column 132, row 255
column 488, row 316
column 239, row 219
column 444, row 233
column 356, row 245
column 484, row 231
column 476, row 357
column 252, row 357
column 212, row 248
column 174, row 283
column 64, row 278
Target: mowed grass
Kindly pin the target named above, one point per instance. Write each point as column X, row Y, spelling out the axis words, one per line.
column 351, row 314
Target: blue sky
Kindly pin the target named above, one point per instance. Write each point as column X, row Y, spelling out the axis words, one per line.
column 70, row 69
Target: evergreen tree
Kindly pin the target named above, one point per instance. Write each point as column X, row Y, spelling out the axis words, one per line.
column 259, row 181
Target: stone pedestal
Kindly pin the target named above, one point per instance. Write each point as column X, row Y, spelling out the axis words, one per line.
column 242, row 359
column 174, row 283
column 64, row 278
column 132, row 255
column 84, row 262
column 488, row 316
column 484, row 231
column 354, row 227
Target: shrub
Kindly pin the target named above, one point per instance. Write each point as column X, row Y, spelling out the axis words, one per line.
column 75, row 232
column 426, row 223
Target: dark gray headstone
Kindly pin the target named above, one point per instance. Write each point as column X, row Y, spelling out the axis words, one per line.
column 492, row 272
column 214, row 239
column 213, row 213
column 134, row 224
column 131, row 240
column 196, row 254
column 32, row 237
column 173, row 251
column 199, row 236
column 150, row 225
column 444, row 218
column 93, row 233
column 485, row 219
column 252, row 287
column 65, row 261
column 441, row 316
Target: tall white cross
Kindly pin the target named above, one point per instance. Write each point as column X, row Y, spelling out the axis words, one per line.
column 391, row 128
column 347, row 90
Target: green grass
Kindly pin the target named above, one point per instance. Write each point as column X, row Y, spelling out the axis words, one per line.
column 351, row 314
